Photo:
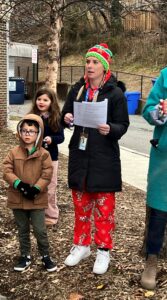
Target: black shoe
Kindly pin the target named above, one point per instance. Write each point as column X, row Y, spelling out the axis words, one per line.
column 49, row 265
column 24, row 262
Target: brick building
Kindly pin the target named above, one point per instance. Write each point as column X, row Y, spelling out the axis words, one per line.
column 3, row 75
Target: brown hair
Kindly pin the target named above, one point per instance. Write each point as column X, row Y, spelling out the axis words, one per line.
column 54, row 110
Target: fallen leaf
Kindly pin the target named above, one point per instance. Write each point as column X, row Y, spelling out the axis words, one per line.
column 75, row 296
column 60, row 268
column 55, row 281
column 100, row 287
column 121, row 251
column 149, row 294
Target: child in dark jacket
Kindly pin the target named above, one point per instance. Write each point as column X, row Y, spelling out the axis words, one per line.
column 28, row 170
column 46, row 105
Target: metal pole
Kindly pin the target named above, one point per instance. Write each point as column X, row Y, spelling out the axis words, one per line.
column 71, row 75
column 141, row 86
column 33, row 78
column 37, row 70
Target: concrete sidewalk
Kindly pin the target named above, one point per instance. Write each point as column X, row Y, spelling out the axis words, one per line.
column 134, row 164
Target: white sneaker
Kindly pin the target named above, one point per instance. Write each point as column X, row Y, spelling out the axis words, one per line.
column 102, row 262
column 77, row 253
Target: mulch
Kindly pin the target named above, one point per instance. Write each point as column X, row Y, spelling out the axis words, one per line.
column 121, row 282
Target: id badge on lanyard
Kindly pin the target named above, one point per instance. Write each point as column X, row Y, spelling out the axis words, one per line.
column 84, row 136
column 83, row 141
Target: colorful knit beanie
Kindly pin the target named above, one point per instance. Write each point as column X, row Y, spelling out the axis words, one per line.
column 102, row 53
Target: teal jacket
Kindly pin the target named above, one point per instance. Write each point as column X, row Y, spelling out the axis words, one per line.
column 157, row 172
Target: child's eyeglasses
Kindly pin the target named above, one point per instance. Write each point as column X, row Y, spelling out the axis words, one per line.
column 28, row 132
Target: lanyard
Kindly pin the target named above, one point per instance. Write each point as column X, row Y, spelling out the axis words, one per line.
column 94, row 95
column 87, row 95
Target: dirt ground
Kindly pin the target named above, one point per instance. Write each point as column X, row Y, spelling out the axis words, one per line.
column 121, row 282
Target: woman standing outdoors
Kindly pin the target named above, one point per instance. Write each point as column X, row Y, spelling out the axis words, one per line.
column 94, row 173
column 155, row 113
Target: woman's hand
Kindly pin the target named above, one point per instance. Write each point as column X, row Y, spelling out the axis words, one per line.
column 68, row 118
column 163, row 106
column 104, row 129
column 47, row 140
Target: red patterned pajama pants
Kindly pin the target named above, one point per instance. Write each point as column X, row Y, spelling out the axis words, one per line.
column 103, row 205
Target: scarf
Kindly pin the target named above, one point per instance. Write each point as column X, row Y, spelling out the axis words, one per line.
column 92, row 93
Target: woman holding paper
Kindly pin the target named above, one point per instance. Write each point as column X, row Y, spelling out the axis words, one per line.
column 94, row 171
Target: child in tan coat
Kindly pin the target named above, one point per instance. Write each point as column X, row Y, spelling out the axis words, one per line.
column 28, row 170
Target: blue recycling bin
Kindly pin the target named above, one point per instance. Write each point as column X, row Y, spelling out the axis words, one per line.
column 132, row 101
column 153, row 80
column 16, row 90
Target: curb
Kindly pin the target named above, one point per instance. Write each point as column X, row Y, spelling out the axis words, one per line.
column 134, row 151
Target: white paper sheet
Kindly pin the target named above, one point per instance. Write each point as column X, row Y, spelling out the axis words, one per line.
column 90, row 114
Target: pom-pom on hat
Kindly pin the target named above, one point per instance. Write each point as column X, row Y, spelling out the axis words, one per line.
column 102, row 53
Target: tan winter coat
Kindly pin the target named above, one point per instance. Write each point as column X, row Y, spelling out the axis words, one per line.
column 35, row 169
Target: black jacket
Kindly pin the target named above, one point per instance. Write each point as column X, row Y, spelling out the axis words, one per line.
column 57, row 138
column 98, row 168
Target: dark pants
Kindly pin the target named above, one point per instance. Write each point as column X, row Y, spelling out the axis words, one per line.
column 36, row 217
column 156, row 230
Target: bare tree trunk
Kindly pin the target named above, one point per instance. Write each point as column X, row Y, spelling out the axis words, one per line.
column 163, row 252
column 53, row 45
